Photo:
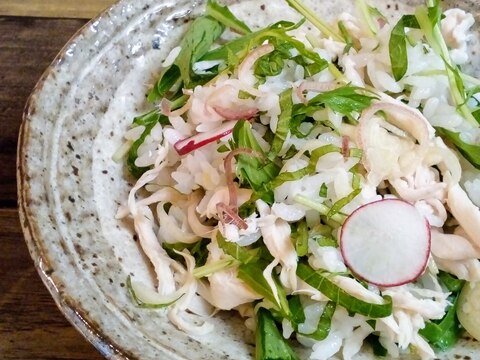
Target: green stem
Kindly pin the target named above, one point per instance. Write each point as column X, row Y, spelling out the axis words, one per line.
column 318, row 23
column 321, row 208
column 209, row 269
column 467, row 78
column 337, row 73
column 364, row 10
column 435, row 39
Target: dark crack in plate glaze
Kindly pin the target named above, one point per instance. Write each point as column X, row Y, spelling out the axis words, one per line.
column 70, row 189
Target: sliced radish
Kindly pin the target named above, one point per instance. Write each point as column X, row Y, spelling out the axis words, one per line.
column 199, row 140
column 386, row 242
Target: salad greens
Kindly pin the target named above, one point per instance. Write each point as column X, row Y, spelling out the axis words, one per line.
column 270, row 344
column 322, row 283
column 149, row 120
column 223, row 15
column 256, row 172
column 288, row 227
column 397, row 45
column 196, row 42
column 469, row 151
column 298, row 317
column 444, row 333
column 281, row 132
column 427, row 19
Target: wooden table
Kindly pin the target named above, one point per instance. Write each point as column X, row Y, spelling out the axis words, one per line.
column 31, row 34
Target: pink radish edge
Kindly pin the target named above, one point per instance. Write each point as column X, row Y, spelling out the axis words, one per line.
column 405, row 278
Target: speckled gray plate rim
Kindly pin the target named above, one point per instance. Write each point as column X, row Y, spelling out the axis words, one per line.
column 73, row 314
column 69, row 188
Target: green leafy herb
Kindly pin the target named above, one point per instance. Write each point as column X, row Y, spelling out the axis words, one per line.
column 320, row 207
column 269, row 65
column 196, row 42
column 298, row 317
column 241, row 46
column 472, row 91
column 366, row 13
column 325, row 322
column 434, row 12
column 325, row 241
column 429, row 19
column 307, row 170
column 291, row 152
column 252, row 275
column 223, row 148
column 299, row 116
column 270, row 344
column 341, row 203
column 300, row 238
column 257, row 172
column 296, row 309
column 309, row 14
column 149, row 120
column 327, row 287
column 141, row 302
column 346, row 36
column 240, row 253
column 377, row 347
column 202, row 34
column 245, row 95
column 323, row 190
column 452, row 283
column 198, row 250
column 223, row 15
column 169, row 77
column 283, row 123
column 355, row 152
column 276, row 34
column 444, row 334
column 250, row 270
column 247, row 209
column 311, row 68
column 469, row 151
column 397, row 45
column 345, row 99
column 213, row 267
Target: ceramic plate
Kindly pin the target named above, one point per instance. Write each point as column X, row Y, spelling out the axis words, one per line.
column 70, row 189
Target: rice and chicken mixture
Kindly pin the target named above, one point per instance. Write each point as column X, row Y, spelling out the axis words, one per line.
column 263, row 142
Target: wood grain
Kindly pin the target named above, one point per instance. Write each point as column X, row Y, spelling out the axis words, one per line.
column 85, row 9
column 31, row 326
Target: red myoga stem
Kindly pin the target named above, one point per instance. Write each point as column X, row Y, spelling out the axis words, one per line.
column 381, row 23
column 345, row 147
column 229, row 213
column 191, row 145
